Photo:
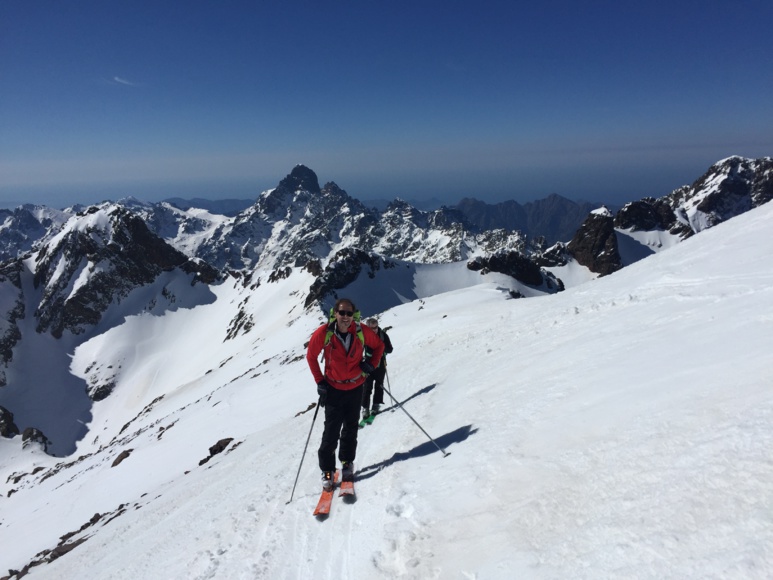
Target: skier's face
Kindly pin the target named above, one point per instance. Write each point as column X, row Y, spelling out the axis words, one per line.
column 344, row 315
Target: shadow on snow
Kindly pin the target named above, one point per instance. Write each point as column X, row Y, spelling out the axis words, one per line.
column 442, row 442
column 455, row 436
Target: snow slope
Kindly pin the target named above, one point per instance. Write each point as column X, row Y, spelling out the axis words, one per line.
column 619, row 429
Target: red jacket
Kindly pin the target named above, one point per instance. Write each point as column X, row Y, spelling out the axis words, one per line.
column 342, row 369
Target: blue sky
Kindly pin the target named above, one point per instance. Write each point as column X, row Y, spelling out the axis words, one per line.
column 605, row 101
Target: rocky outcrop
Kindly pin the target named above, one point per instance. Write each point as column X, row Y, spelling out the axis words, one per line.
column 345, row 267
column 99, row 261
column 33, row 436
column 13, row 298
column 553, row 257
column 7, row 427
column 217, row 448
column 515, row 265
column 24, row 227
column 729, row 188
column 595, row 244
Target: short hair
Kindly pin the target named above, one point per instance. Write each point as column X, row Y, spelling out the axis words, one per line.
column 342, row 301
column 371, row 322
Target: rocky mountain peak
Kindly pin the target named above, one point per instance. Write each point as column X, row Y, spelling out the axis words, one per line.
column 730, row 187
column 301, row 178
column 301, row 183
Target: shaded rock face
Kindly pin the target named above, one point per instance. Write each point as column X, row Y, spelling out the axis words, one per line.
column 342, row 270
column 7, row 427
column 552, row 257
column 32, row 436
column 643, row 216
column 595, row 244
column 652, row 214
column 510, row 263
column 729, row 188
column 734, row 186
column 10, row 335
column 109, row 262
column 218, row 447
column 300, row 179
column 23, row 227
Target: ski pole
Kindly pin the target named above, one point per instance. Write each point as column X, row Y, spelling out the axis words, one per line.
column 386, row 374
column 304, row 452
column 443, row 451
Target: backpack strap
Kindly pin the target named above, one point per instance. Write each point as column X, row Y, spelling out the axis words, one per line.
column 331, row 329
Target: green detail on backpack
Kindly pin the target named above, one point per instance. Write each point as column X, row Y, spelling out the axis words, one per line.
column 331, row 329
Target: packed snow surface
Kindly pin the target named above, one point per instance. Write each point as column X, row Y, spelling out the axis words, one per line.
column 620, row 429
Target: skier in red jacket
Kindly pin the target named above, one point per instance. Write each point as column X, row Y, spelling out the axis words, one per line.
column 340, row 386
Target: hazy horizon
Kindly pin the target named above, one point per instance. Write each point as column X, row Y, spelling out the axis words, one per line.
column 68, row 195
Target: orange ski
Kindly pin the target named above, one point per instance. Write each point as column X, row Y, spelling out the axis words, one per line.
column 323, row 506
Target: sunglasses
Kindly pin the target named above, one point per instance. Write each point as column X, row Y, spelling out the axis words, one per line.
column 346, row 313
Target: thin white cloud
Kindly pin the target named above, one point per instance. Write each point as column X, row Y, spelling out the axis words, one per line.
column 121, row 81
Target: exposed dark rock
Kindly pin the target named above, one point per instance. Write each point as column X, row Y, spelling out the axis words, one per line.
column 735, row 185
column 121, row 456
column 241, row 323
column 641, row 216
column 314, row 267
column 8, row 428
column 595, row 244
column 280, row 274
column 218, row 447
column 301, row 178
column 510, row 263
column 101, row 391
column 342, row 270
column 25, row 226
column 10, row 281
column 32, row 435
column 129, row 255
column 553, row 257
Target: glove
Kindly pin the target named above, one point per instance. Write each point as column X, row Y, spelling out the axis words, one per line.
column 322, row 388
column 366, row 367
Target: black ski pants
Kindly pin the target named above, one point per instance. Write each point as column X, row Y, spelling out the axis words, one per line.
column 342, row 415
column 374, row 384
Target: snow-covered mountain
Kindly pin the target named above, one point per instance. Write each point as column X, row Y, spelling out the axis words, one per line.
column 619, row 429
column 79, row 272
column 27, row 226
column 606, row 243
column 298, row 221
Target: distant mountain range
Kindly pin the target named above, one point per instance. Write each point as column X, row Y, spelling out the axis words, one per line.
column 73, row 274
column 555, row 218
